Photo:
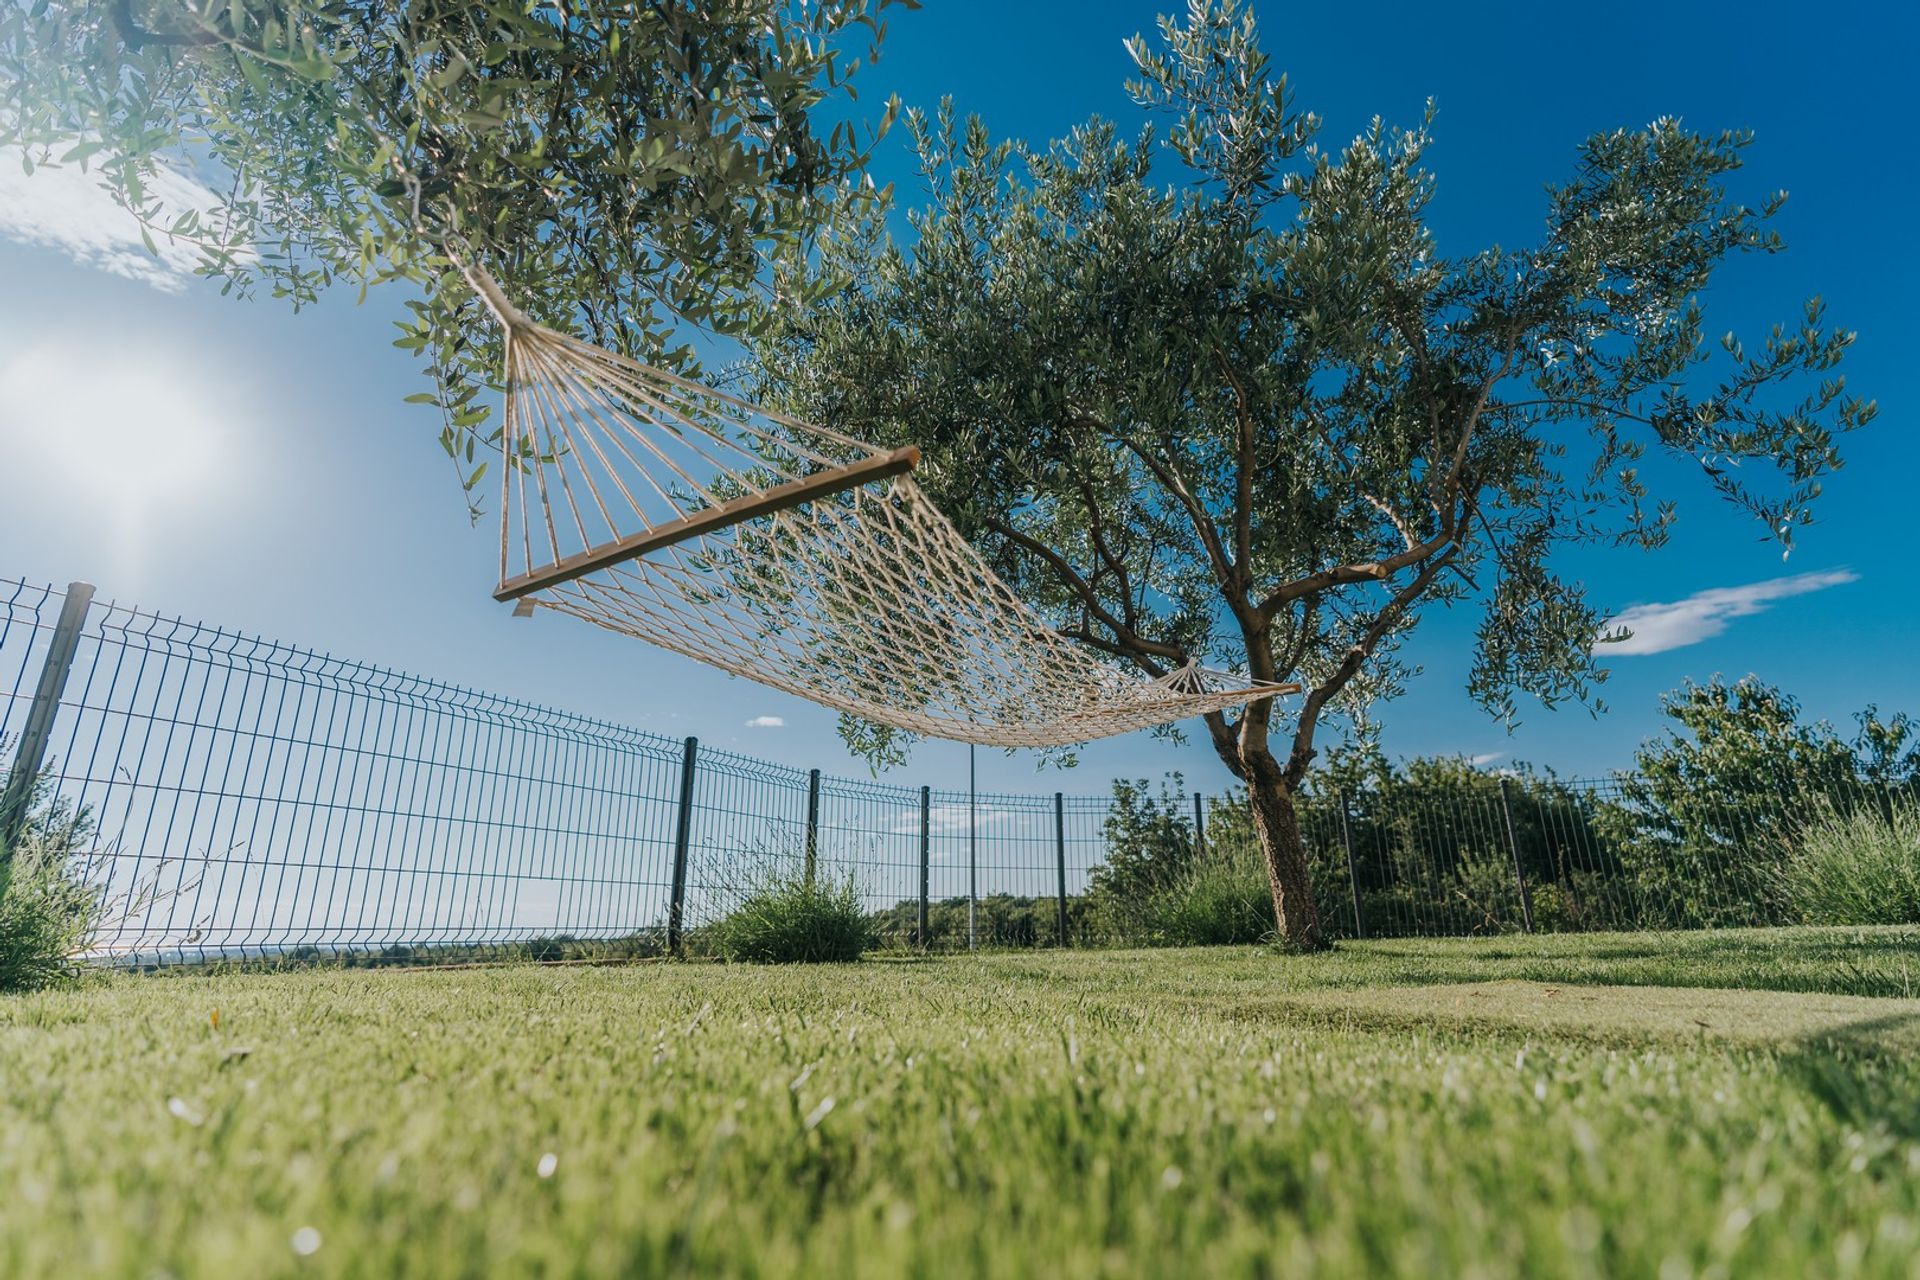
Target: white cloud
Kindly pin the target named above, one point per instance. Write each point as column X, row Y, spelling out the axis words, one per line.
column 767, row 722
column 1703, row 615
column 64, row 209
column 1486, row 758
column 954, row 819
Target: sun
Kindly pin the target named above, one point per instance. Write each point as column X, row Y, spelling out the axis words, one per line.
column 131, row 435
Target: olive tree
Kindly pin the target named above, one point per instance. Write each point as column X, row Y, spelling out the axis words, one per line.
column 621, row 166
column 1211, row 391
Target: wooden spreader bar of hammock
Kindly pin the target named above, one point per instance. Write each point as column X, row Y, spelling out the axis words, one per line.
column 780, row 497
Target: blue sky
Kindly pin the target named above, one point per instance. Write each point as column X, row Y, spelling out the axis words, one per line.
column 244, row 465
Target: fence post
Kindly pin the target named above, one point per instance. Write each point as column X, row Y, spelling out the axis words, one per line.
column 926, row 844
column 1513, row 843
column 813, row 822
column 682, row 841
column 38, row 731
column 1353, row 872
column 1199, row 830
column 1060, row 856
column 973, row 853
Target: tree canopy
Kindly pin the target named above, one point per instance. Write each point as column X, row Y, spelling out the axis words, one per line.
column 1219, row 394
column 621, row 165
column 1211, row 390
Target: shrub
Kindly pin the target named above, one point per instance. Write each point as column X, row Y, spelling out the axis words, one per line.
column 1477, row 895
column 1702, row 820
column 1220, row 899
column 1857, row 868
column 1150, row 848
column 48, row 910
column 786, row 918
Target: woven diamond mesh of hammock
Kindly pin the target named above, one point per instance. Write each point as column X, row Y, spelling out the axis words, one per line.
column 786, row 553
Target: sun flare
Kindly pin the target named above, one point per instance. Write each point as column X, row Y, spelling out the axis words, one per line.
column 142, row 434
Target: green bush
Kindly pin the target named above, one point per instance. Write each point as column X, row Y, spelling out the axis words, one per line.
column 1857, row 868
column 785, row 918
column 1222, row 898
column 47, row 908
column 1476, row 895
column 1150, row 850
column 1710, row 812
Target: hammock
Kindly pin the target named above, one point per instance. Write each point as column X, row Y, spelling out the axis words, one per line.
column 786, row 553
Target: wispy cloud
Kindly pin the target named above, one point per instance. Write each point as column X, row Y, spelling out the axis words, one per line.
column 1656, row 628
column 767, row 722
column 1484, row 759
column 958, row 817
column 954, row 819
column 65, row 209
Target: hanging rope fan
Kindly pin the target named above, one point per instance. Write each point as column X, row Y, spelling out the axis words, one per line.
column 786, row 553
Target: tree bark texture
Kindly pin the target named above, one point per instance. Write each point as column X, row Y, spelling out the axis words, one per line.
column 1277, row 825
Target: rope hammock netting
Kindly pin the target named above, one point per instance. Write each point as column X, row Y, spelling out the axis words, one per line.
column 786, row 553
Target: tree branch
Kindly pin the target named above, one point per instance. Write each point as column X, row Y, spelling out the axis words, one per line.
column 1114, row 564
column 1303, row 635
column 1137, row 647
column 1243, row 487
column 1226, row 742
column 1393, row 517
column 1223, row 567
column 1364, row 571
column 1351, row 662
column 1094, row 641
column 1589, row 406
column 1444, row 496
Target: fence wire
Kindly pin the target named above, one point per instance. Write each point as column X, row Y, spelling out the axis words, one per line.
column 245, row 799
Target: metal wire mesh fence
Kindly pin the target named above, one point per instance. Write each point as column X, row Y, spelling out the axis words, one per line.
column 241, row 798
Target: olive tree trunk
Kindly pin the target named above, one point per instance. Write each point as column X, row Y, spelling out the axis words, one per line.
column 1276, row 823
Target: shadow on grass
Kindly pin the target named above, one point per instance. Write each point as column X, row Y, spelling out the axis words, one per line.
column 1866, row 962
column 1864, row 1073
column 1785, row 1024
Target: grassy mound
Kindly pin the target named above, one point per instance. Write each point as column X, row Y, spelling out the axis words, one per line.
column 793, row 919
column 1860, row 869
column 1220, row 900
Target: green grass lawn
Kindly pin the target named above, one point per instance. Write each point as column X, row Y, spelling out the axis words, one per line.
column 1726, row 1104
